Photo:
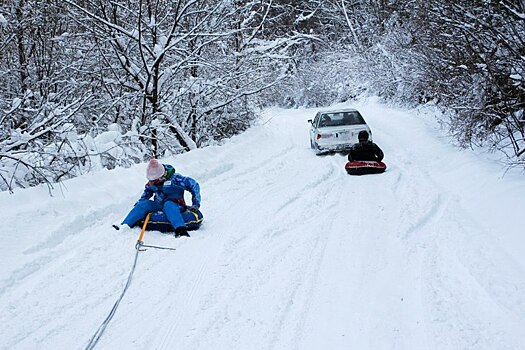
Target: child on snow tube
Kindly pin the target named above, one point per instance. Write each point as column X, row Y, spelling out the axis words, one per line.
column 365, row 157
column 164, row 193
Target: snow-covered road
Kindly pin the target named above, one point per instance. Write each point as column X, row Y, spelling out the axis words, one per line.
column 294, row 253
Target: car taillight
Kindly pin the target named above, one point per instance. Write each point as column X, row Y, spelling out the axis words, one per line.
column 318, row 136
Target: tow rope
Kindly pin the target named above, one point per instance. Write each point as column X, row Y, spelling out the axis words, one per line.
column 138, row 247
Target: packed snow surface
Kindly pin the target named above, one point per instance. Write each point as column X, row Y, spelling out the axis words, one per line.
column 293, row 254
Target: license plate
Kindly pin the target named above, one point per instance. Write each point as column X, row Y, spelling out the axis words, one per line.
column 341, row 134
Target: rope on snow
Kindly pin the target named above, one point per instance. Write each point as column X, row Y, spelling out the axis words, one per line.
column 96, row 337
column 98, row 334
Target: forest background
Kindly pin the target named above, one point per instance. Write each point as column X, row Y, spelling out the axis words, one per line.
column 92, row 84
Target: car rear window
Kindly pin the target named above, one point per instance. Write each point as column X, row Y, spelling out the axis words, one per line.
column 341, row 119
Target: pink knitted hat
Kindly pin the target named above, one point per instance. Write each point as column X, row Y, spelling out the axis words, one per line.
column 155, row 170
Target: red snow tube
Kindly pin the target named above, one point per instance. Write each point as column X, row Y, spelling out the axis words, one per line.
column 364, row 167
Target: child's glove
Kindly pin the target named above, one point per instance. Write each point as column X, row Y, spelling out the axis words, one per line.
column 193, row 208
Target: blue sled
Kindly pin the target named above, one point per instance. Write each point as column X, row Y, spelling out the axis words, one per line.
column 159, row 222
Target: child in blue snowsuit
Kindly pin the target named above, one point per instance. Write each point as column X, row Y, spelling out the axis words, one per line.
column 167, row 189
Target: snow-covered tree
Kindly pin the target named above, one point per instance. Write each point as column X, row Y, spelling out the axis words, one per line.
column 89, row 83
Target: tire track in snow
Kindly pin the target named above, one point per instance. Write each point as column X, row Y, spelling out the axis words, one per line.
column 242, row 175
column 167, row 339
column 418, row 196
column 340, row 270
column 464, row 260
column 378, row 213
column 292, row 319
column 241, row 254
column 472, row 289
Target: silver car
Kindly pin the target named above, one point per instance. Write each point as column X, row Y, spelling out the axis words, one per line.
column 336, row 131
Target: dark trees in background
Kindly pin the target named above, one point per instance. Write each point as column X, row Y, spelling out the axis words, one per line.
column 92, row 84
column 465, row 56
column 480, row 71
column 42, row 94
column 89, row 83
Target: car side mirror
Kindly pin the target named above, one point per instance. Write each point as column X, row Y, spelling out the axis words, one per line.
column 310, row 121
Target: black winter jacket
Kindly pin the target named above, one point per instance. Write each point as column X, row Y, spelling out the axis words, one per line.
column 366, row 151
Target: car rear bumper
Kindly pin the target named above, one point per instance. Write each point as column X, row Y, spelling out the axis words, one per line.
column 334, row 147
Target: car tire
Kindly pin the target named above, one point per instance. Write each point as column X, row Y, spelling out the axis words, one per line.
column 315, row 148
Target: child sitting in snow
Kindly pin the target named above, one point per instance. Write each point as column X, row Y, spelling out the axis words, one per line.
column 167, row 189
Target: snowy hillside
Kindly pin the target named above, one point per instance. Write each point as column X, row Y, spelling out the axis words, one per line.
column 294, row 253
